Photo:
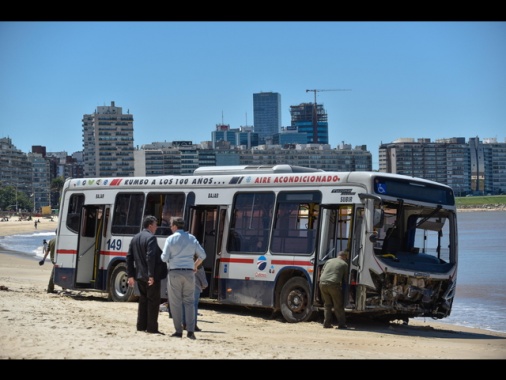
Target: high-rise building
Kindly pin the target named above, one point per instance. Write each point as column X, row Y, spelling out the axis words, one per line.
column 15, row 170
column 289, row 136
column 315, row 125
column 266, row 115
column 243, row 136
column 488, row 166
column 41, row 181
column 108, row 143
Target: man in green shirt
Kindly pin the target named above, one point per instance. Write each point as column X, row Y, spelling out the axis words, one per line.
column 332, row 279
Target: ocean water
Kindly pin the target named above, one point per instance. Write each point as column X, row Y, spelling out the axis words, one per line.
column 29, row 244
column 480, row 300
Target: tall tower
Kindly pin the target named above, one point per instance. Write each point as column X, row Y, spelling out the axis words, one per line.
column 108, row 143
column 303, row 118
column 266, row 115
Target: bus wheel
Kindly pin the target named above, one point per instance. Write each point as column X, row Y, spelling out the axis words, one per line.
column 119, row 291
column 295, row 301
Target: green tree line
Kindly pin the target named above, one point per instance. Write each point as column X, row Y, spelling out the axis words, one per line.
column 10, row 198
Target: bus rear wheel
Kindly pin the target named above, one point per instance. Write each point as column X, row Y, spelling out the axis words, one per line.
column 295, row 301
column 119, row 291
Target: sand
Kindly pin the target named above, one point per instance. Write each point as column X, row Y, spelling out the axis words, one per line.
column 84, row 325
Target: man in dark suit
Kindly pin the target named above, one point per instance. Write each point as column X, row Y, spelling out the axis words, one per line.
column 145, row 266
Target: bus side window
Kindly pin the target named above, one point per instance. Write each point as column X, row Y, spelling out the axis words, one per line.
column 250, row 222
column 286, row 237
column 74, row 212
column 127, row 217
column 295, row 222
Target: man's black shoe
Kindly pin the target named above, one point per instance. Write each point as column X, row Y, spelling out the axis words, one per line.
column 191, row 335
column 327, row 326
column 177, row 335
column 197, row 328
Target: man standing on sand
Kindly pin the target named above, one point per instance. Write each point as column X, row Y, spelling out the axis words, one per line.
column 179, row 251
column 145, row 267
column 50, row 251
column 332, row 279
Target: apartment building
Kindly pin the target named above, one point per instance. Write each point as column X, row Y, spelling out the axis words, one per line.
column 477, row 167
column 108, row 142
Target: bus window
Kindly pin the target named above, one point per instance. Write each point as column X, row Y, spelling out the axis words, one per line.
column 76, row 203
column 336, row 231
column 251, row 221
column 127, row 217
column 164, row 206
column 295, row 222
column 429, row 236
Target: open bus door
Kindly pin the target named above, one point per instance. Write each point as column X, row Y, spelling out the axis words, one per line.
column 336, row 231
column 206, row 223
column 89, row 245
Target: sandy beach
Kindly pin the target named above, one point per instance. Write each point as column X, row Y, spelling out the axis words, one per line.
column 82, row 325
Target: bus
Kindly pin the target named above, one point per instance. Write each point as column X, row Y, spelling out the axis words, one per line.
column 268, row 230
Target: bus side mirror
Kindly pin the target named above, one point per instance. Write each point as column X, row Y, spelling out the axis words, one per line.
column 379, row 218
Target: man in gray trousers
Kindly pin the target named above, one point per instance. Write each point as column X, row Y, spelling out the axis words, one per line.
column 179, row 251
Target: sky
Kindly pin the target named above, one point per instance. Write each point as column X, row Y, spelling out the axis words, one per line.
column 179, row 80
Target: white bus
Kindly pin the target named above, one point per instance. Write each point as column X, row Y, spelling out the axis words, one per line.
column 268, row 230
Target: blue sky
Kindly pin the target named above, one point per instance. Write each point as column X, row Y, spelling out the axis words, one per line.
column 180, row 79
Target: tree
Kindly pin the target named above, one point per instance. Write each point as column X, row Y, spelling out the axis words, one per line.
column 9, row 200
column 56, row 188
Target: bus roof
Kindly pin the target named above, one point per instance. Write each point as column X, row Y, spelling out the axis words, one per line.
column 249, row 169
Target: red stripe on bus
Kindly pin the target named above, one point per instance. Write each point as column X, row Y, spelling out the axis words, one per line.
column 230, row 260
column 66, row 251
column 291, row 262
column 113, row 253
column 102, row 253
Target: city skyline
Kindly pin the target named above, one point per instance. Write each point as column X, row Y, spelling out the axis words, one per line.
column 180, row 79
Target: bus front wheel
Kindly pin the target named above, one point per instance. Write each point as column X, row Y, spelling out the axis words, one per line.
column 119, row 291
column 295, row 302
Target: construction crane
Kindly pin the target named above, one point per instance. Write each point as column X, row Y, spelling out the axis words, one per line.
column 315, row 112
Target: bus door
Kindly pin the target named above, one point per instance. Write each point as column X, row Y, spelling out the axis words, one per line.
column 335, row 236
column 207, row 225
column 93, row 224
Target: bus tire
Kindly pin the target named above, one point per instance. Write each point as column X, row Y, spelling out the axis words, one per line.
column 295, row 302
column 119, row 291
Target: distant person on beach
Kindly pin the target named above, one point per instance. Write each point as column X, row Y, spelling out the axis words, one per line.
column 332, row 282
column 145, row 266
column 50, row 251
column 178, row 252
